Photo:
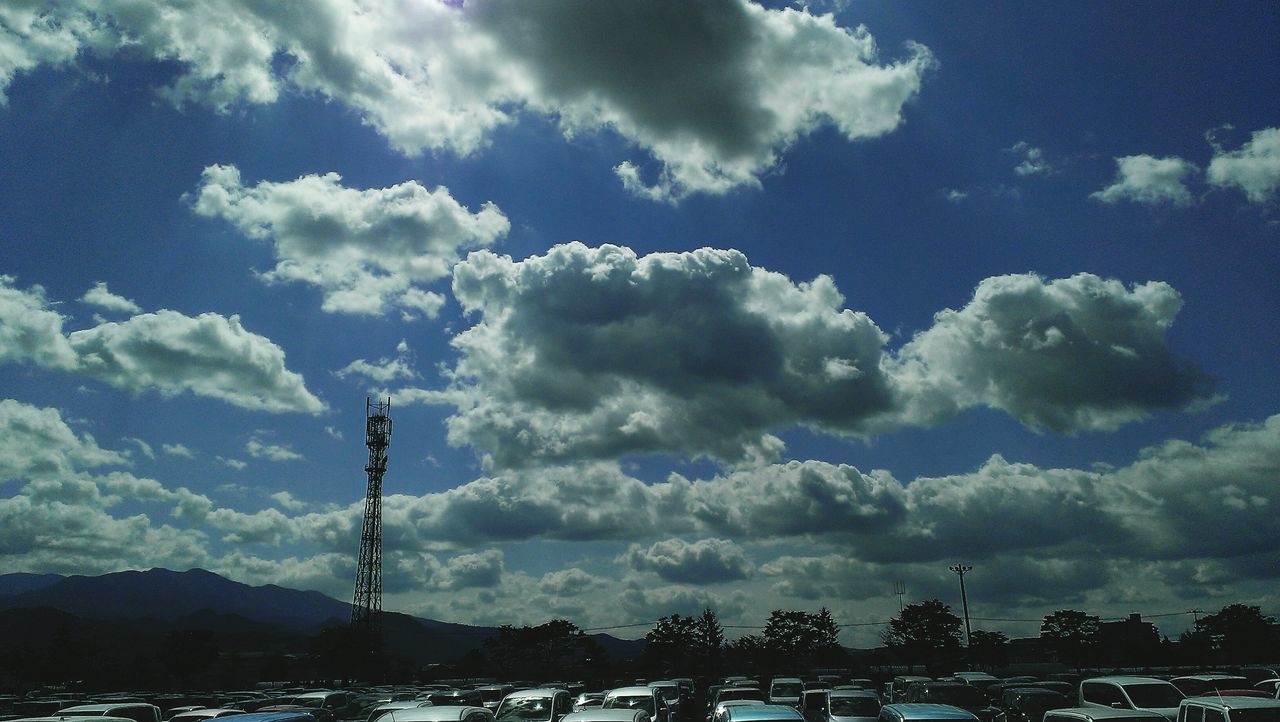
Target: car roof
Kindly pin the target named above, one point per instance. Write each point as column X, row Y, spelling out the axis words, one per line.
column 432, row 714
column 73, row 718
column 632, row 691
column 854, row 693
column 762, row 712
column 104, row 706
column 605, row 715
column 536, row 692
column 788, row 680
column 929, row 710
column 282, row 716
column 1103, row 713
column 1234, row 702
column 1125, row 679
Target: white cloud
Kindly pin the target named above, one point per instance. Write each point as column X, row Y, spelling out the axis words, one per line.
column 333, row 433
column 1254, row 168
column 589, row 353
column 209, row 355
column 647, row 604
column 103, row 298
column 567, row 582
column 1031, row 160
column 385, row 369
column 236, row 464
column 1149, row 180
column 288, row 502
column 259, row 449
column 36, row 443
column 706, row 561
column 177, row 450
column 714, row 92
column 592, row 353
column 1080, row 353
column 364, row 249
column 30, row 330
column 143, row 446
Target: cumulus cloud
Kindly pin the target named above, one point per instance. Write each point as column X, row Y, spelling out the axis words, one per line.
column 1031, row 160
column 384, row 370
column 259, row 449
column 1073, row 354
column 706, row 561
column 566, row 582
column 644, row 603
column 1254, row 168
column 364, row 249
column 209, row 355
column 177, row 450
column 1149, row 180
column 30, row 330
column 589, row 353
column 714, row 92
column 25, row 428
column 101, row 297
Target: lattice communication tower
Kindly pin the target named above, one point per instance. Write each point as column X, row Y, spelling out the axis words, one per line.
column 366, row 608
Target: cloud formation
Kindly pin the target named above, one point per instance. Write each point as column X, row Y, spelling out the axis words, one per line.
column 366, row 250
column 1073, row 354
column 590, row 353
column 714, row 92
column 210, row 355
column 706, row 561
column 1253, row 168
column 101, row 297
column 1149, row 180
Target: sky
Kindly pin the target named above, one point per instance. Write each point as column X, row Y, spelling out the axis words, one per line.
column 678, row 304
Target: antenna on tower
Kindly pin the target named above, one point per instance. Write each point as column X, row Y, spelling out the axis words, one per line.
column 366, row 607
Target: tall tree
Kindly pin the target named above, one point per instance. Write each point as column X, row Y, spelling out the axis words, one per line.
column 924, row 632
column 709, row 638
column 989, row 649
column 1240, row 633
column 672, row 644
column 1074, row 634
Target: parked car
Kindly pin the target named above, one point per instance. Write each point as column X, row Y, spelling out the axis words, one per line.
column 542, row 704
column 588, row 700
column 456, row 698
column 1195, row 684
column 136, row 711
column 764, row 713
column 1028, row 704
column 957, row 694
column 206, row 713
column 854, row 705
column 786, row 690
column 1118, row 692
column 439, row 713
column 1102, row 714
column 896, row 691
column 646, row 698
column 1229, row 709
column 815, row 705
column 729, row 694
column 617, row 714
column 721, row 712
column 924, row 712
column 491, row 695
column 670, row 690
column 381, row 710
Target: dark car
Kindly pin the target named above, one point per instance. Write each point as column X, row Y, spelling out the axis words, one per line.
column 957, row 694
column 1028, row 704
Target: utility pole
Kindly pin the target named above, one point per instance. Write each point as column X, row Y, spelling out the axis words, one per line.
column 366, row 606
column 960, row 570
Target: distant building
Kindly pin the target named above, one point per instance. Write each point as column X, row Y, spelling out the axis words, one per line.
column 1130, row 641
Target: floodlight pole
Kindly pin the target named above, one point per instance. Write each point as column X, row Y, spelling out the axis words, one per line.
column 960, row 570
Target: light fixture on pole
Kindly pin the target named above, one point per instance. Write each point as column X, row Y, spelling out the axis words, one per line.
column 960, row 570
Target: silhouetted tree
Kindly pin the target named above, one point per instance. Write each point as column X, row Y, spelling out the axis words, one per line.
column 554, row 649
column 672, row 645
column 1239, row 633
column 710, row 642
column 1074, row 634
column 989, row 649
column 925, row 633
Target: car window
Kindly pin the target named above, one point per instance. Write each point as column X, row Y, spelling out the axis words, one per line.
column 1147, row 695
column 1102, row 693
column 1214, row 715
column 854, row 707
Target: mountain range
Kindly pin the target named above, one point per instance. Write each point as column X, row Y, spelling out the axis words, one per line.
column 36, row 605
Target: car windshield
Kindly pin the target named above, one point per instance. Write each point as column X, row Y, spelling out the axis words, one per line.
column 854, row 707
column 491, row 695
column 787, row 689
column 960, row 695
column 314, row 702
column 1264, row 714
column 741, row 693
column 643, row 702
column 669, row 692
column 525, row 708
column 1153, row 695
column 1034, row 706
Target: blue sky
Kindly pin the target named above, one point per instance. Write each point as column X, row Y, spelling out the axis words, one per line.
column 745, row 306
